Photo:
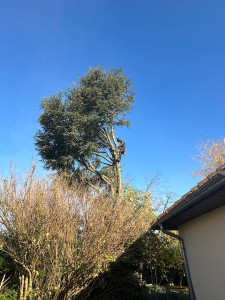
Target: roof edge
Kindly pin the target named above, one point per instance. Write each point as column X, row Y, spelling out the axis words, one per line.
column 198, row 195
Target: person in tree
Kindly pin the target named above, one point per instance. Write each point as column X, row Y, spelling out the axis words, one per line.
column 121, row 148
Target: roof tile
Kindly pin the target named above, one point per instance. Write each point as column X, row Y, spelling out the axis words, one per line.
column 195, row 190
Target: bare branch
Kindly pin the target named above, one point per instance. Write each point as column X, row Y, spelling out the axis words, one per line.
column 111, row 148
column 52, row 225
column 94, row 187
column 102, row 156
column 91, row 168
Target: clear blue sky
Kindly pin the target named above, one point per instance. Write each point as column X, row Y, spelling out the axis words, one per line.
column 173, row 50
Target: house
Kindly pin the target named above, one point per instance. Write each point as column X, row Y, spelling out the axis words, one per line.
column 199, row 217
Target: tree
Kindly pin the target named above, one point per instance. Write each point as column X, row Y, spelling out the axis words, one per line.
column 162, row 259
column 211, row 156
column 61, row 237
column 77, row 135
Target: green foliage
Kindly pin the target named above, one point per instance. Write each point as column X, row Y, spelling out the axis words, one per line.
column 9, row 294
column 162, row 259
column 140, row 199
column 153, row 258
column 8, row 271
column 168, row 295
column 111, row 288
column 77, row 124
column 7, row 266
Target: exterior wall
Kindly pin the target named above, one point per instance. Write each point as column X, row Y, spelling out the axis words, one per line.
column 204, row 239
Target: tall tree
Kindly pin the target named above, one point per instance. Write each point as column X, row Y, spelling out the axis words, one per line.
column 77, row 135
column 211, row 156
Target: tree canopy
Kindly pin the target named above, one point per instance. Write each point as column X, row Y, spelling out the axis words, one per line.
column 77, row 135
column 211, row 156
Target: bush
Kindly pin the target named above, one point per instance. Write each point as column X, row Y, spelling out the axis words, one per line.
column 9, row 294
column 167, row 296
column 61, row 237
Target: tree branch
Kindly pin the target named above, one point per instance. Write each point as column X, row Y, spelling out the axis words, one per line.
column 113, row 137
column 106, row 164
column 111, row 148
column 105, row 152
column 94, row 187
column 91, row 168
column 102, row 156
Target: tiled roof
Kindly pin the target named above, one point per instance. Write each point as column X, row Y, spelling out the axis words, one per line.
column 203, row 185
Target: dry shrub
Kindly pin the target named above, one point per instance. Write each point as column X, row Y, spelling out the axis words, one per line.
column 60, row 236
column 211, row 156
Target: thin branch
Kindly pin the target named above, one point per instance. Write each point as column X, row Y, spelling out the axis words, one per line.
column 102, row 156
column 103, row 133
column 15, row 260
column 94, row 187
column 111, row 148
column 105, row 152
column 106, row 164
column 113, row 137
column 91, row 168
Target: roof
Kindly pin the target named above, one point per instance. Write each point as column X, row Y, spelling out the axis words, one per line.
column 207, row 195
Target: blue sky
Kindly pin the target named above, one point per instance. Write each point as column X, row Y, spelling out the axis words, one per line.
column 173, row 50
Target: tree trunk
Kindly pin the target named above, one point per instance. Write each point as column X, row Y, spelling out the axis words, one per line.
column 118, row 183
column 181, row 279
column 141, row 265
column 156, row 279
column 30, row 286
column 25, row 287
column 21, row 287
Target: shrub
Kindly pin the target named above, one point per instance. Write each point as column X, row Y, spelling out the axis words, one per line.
column 61, row 237
column 9, row 294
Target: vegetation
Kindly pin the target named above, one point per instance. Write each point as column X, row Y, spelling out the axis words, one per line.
column 153, row 259
column 167, row 295
column 211, row 156
column 61, row 237
column 162, row 260
column 9, row 294
column 77, row 135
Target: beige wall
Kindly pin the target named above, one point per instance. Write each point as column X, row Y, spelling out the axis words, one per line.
column 204, row 239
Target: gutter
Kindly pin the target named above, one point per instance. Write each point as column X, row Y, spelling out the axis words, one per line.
column 186, row 266
column 192, row 199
